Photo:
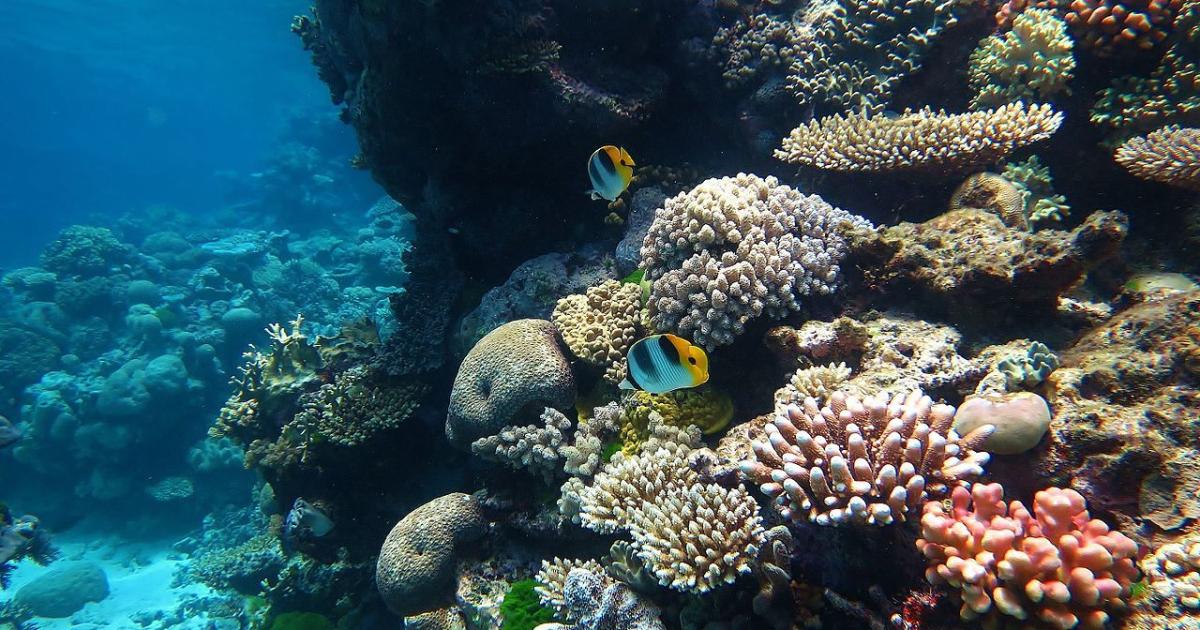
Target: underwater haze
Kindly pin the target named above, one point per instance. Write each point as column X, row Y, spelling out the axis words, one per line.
column 622, row 315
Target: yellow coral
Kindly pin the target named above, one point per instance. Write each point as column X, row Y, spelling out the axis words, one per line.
column 707, row 408
column 918, row 140
column 601, row 325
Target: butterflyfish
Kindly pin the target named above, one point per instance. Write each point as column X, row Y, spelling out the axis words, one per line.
column 611, row 170
column 663, row 363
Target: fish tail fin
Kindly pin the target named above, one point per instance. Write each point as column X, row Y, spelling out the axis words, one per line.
column 593, row 194
column 625, row 384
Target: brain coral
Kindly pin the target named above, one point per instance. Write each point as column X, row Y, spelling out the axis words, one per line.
column 918, row 140
column 601, row 325
column 416, row 564
column 735, row 248
column 516, row 366
column 1170, row 155
column 1056, row 565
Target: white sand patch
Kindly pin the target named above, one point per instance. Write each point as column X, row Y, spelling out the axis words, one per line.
column 139, row 580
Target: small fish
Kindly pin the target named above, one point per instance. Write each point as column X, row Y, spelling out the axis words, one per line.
column 611, row 170
column 665, row 363
column 304, row 521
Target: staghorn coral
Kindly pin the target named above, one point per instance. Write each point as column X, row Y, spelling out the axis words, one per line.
column 1170, row 94
column 699, row 537
column 1041, row 205
column 818, row 382
column 1173, row 575
column 705, row 407
column 1032, row 62
column 1056, row 565
column 856, row 462
column 859, row 50
column 535, row 448
column 994, row 193
column 918, row 140
column 601, row 325
column 415, row 571
column 1109, row 27
column 1170, row 155
column 736, row 248
column 513, row 367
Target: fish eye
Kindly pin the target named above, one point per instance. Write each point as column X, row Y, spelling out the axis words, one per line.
column 692, row 360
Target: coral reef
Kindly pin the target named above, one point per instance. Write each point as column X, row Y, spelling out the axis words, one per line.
column 1042, row 206
column 1170, row 155
column 993, row 193
column 856, row 462
column 1056, row 565
column 1109, row 27
column 1170, row 94
column 22, row 538
column 811, row 382
column 1173, row 576
column 705, row 407
column 968, row 259
column 1032, row 62
column 416, row 564
column 592, row 600
column 1019, row 420
column 735, row 248
column 536, row 448
column 516, row 366
column 601, row 325
column 918, row 140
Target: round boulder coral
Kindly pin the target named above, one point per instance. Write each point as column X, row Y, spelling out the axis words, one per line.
column 1020, row 420
column 515, row 367
column 416, row 564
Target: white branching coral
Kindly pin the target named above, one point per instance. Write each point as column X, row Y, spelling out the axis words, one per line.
column 698, row 538
column 553, row 576
column 818, row 381
column 918, row 140
column 533, row 447
column 1032, row 61
column 736, row 248
column 863, row 462
column 584, row 456
column 1173, row 575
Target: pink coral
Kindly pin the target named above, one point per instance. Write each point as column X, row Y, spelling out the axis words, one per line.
column 1057, row 565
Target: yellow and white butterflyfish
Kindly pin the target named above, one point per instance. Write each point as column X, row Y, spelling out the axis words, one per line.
column 611, row 170
column 663, row 363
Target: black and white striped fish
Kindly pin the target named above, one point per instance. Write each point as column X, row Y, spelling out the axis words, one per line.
column 664, row 363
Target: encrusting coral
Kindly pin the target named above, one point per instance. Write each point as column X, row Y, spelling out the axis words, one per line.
column 1170, row 155
column 415, row 570
column 1031, row 62
column 514, row 367
column 601, row 325
column 863, row 462
column 918, row 140
column 1056, row 565
column 736, row 248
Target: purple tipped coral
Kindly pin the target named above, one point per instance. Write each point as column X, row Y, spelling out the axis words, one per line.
column 863, row 462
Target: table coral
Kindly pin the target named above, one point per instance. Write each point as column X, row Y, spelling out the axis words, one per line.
column 918, row 140
column 969, row 262
column 863, row 462
column 416, row 564
column 1056, row 565
column 513, row 367
column 601, row 325
column 1031, row 62
column 1170, row 155
column 737, row 248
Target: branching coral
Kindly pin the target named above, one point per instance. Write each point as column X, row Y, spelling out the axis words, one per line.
column 861, row 49
column 1056, row 565
column 736, row 248
column 1032, row 62
column 1040, row 204
column 353, row 409
column 536, row 448
column 1109, row 27
column 596, row 432
column 920, row 140
column 1173, row 575
column 1170, row 94
column 856, row 462
column 601, row 325
column 761, row 42
column 592, row 600
column 812, row 382
column 1170, row 155
column 699, row 537
column 553, row 577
